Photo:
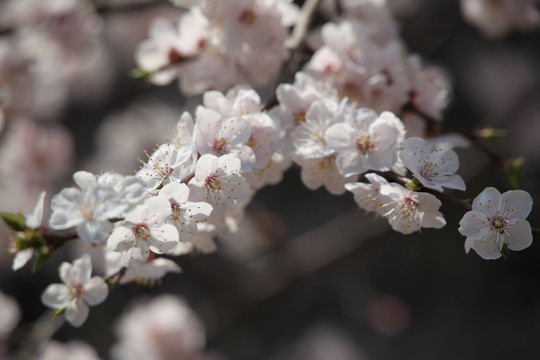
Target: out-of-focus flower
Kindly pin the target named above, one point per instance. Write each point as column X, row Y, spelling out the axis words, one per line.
column 497, row 18
column 77, row 291
column 74, row 350
column 163, row 329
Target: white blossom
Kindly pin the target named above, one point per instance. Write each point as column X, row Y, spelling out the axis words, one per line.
column 88, row 208
column 163, row 329
column 365, row 141
column 77, row 291
column 496, row 221
column 367, row 195
column 214, row 134
column 150, row 272
column 143, row 230
column 435, row 168
column 169, row 162
column 184, row 214
column 407, row 211
column 218, row 181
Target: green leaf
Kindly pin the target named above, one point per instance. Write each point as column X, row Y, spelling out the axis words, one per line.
column 515, row 174
column 41, row 258
column 139, row 74
column 14, row 221
column 58, row 312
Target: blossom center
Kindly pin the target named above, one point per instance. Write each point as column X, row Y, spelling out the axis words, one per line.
column 174, row 56
column 299, row 118
column 141, row 231
column 426, row 170
column 219, row 146
column 364, row 144
column 498, row 223
column 212, row 183
column 176, row 211
column 409, row 206
column 247, row 17
column 87, row 212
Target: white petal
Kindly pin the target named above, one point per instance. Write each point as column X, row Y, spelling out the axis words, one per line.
column 474, row 225
column 95, row 291
column 516, row 204
column 77, row 313
column 21, row 258
column 33, row 219
column 56, row 296
column 121, row 239
column 520, row 234
column 488, row 201
column 488, row 247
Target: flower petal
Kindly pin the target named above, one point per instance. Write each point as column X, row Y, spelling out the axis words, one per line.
column 95, row 291
column 520, row 234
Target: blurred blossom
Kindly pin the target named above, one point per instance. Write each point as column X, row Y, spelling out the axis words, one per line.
column 35, row 155
column 388, row 315
column 141, row 126
column 324, row 342
column 70, row 351
column 163, row 329
column 10, row 315
column 496, row 18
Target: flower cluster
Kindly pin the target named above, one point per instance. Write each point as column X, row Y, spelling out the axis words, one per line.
column 342, row 122
column 218, row 44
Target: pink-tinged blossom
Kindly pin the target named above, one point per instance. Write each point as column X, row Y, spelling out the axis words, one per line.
column 74, row 350
column 144, row 229
column 88, row 208
column 497, row 221
column 150, row 272
column 367, row 195
column 216, row 135
column 218, row 182
column 163, row 329
column 240, row 100
column 168, row 163
column 203, row 242
column 435, row 168
column 430, row 88
column 77, row 291
column 498, row 18
column 295, row 99
column 308, row 137
column 365, row 141
column 317, row 172
column 408, row 211
column 184, row 214
column 271, row 174
column 169, row 46
column 10, row 314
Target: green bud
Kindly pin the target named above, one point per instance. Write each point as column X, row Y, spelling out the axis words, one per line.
column 490, row 133
column 139, row 74
column 58, row 312
column 14, row 221
column 414, row 185
column 514, row 172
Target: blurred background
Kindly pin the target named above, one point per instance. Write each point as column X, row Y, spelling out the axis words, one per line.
column 308, row 276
